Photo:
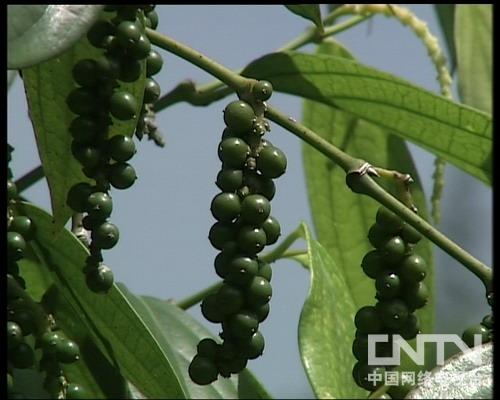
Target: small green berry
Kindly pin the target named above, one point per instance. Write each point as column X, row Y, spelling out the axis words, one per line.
column 67, row 351
column 85, row 72
column 154, row 63
column 255, row 209
column 469, row 335
column 252, row 348
column 23, row 225
column 225, row 207
column 241, row 270
column 123, row 105
column 272, row 228
column 229, row 298
column 16, row 246
column 11, row 190
column 367, row 320
column 100, row 279
column 22, row 356
column 259, row 184
column 221, row 233
column 202, row 370
column 141, row 48
column 242, row 325
column 14, row 334
column 75, row 391
column 416, row 296
column 265, row 270
column 262, row 90
column 153, row 19
column 121, row 148
column 128, row 32
column 393, row 313
column 78, row 196
column 233, row 152
column 88, row 156
column 105, row 236
column 388, row 221
column 152, row 91
column 251, row 240
column 239, row 116
column 121, row 175
column 372, row 264
column 412, row 269
column 81, row 101
column 207, row 348
column 98, row 32
column 259, row 291
column 387, row 285
column 210, row 309
column 229, row 179
column 130, row 69
column 271, row 162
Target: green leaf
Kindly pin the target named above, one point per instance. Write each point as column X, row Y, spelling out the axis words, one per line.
column 100, row 378
column 446, row 17
column 458, row 133
column 113, row 324
column 11, row 77
column 47, row 85
column 177, row 330
column 474, row 44
column 312, row 12
column 36, row 33
column 341, row 218
column 464, row 376
column 325, row 337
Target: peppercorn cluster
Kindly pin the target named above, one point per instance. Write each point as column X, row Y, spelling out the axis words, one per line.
column 244, row 227
column 25, row 317
column 98, row 103
column 398, row 273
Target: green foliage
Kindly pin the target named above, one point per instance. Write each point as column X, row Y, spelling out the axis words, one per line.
column 311, row 12
column 459, row 134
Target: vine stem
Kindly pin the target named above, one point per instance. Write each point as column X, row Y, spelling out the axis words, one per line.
column 203, row 95
column 29, row 178
column 364, row 184
column 195, row 298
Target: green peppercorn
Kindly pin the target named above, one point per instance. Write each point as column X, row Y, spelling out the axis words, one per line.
column 85, row 72
column 210, row 309
column 259, row 184
column 84, row 129
column 367, row 320
column 78, row 196
column 377, row 236
column 393, row 250
column 121, row 148
column 123, row 105
column 239, row 116
column 154, row 63
column 251, row 240
column 388, row 221
column 152, row 16
column 410, row 328
column 14, row 334
column 152, row 91
column 11, row 190
column 98, row 32
column 229, row 298
column 233, row 152
column 410, row 234
column 387, row 285
column 252, row 348
column 88, row 156
column 241, row 270
column 22, row 356
column 265, row 270
column 207, row 348
column 16, row 246
column 81, row 101
column 67, row 351
column 393, row 313
column 469, row 335
column 372, row 264
column 261, row 312
column 75, row 391
column 225, row 207
column 259, row 291
column 141, row 48
column 242, row 325
column 272, row 229
column 262, row 90
column 105, row 236
column 121, row 175
column 100, row 279
column 370, row 377
column 49, row 342
column 271, row 162
column 412, row 269
column 130, row 69
column 128, row 32
column 229, row 179
column 255, row 209
column 202, row 370
column 221, row 233
column 24, row 226
column 416, row 295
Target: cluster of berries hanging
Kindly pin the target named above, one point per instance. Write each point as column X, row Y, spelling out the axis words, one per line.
column 97, row 102
column 244, row 227
column 398, row 273
column 26, row 318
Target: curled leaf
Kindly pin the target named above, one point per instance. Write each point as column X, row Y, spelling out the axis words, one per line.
column 36, row 33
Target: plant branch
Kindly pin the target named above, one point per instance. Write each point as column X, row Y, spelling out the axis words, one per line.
column 358, row 182
column 279, row 250
column 206, row 94
column 235, row 81
column 197, row 297
column 30, row 178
